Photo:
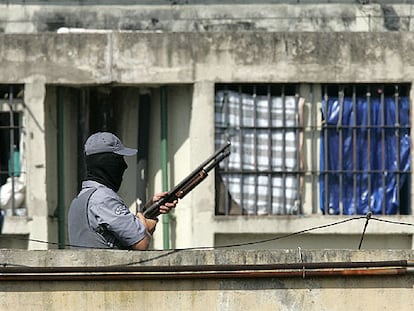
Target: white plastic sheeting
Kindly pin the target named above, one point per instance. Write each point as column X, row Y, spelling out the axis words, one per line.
column 6, row 193
column 266, row 150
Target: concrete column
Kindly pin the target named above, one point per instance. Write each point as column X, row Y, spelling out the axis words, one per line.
column 312, row 114
column 202, row 146
column 34, row 116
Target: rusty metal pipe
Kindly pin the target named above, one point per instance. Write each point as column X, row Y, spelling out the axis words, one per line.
column 5, row 268
column 207, row 275
column 283, row 270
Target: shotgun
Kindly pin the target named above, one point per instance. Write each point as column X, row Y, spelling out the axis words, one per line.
column 188, row 183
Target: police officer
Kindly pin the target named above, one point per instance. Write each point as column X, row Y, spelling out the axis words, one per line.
column 98, row 217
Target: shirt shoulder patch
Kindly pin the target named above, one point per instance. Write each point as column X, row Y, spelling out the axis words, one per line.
column 122, row 209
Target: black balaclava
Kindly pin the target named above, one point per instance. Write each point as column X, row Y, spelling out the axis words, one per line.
column 106, row 168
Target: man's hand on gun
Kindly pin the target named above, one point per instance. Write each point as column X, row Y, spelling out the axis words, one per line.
column 149, row 223
column 167, row 206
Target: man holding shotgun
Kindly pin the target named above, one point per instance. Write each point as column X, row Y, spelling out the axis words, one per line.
column 98, row 217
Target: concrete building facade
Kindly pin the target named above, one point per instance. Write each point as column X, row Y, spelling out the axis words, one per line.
column 80, row 66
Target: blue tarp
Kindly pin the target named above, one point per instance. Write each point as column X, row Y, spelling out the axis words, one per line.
column 351, row 139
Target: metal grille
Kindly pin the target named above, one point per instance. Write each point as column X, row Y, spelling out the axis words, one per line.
column 366, row 149
column 12, row 183
column 262, row 122
column 331, row 149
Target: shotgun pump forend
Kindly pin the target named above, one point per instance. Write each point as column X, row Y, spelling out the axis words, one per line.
column 188, row 183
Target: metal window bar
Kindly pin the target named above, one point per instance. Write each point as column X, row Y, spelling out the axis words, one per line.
column 284, row 148
column 226, row 113
column 11, row 150
column 314, row 150
column 383, row 148
column 340, row 144
column 326, row 154
column 255, row 164
column 354, row 148
column 397, row 141
column 270, row 148
column 369, row 170
column 298, row 148
column 241, row 125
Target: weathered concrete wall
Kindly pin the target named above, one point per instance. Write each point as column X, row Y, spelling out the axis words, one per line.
column 221, row 17
column 187, row 57
column 346, row 292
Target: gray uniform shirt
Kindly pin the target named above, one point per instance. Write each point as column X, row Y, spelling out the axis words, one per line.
column 107, row 216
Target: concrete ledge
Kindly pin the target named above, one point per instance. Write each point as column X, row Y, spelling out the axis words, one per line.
column 384, row 288
column 93, row 258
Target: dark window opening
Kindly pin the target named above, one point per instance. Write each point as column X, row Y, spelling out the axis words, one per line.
column 12, row 181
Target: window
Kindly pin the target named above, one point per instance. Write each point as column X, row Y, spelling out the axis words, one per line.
column 263, row 123
column 365, row 149
column 336, row 149
column 12, row 182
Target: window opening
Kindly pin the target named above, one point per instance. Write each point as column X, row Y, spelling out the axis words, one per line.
column 365, row 149
column 12, row 179
column 97, row 111
column 263, row 173
column 358, row 137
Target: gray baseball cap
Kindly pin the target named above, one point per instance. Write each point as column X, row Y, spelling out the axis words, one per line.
column 107, row 142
